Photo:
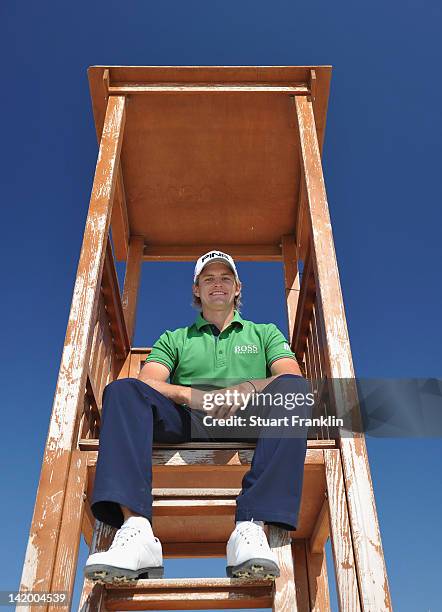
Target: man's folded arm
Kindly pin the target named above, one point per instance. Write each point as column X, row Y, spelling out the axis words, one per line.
column 285, row 365
column 155, row 375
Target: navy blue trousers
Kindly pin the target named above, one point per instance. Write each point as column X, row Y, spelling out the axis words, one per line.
column 135, row 415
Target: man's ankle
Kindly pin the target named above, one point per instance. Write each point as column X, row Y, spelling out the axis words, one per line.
column 127, row 512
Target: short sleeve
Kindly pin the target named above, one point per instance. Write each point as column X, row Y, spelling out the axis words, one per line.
column 164, row 351
column 276, row 346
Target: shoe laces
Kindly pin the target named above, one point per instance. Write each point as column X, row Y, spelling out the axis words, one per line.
column 250, row 530
column 123, row 535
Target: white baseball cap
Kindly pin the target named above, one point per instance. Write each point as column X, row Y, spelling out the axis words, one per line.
column 211, row 257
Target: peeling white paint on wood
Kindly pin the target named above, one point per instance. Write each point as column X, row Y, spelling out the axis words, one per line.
column 370, row 562
column 71, row 383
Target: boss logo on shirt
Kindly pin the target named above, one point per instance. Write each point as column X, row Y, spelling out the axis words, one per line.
column 246, row 348
column 287, row 347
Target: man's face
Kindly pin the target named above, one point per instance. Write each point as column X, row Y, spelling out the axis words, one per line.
column 216, row 286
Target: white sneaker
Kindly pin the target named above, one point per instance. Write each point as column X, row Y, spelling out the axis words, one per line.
column 134, row 553
column 249, row 554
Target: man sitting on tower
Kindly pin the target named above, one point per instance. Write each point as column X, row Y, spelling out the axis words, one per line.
column 219, row 346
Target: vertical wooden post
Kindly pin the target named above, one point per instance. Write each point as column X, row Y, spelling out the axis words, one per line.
column 132, row 283
column 93, row 595
column 301, row 576
column 370, row 562
column 291, row 278
column 284, row 590
column 342, row 544
column 70, row 532
column 318, row 582
column 71, row 384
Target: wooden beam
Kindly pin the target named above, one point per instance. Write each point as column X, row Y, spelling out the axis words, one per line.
column 93, row 595
column 291, row 277
column 132, row 283
column 191, row 550
column 304, row 309
column 71, row 384
column 318, row 582
column 340, row 531
column 313, row 85
column 191, row 594
column 71, row 524
column 301, row 576
column 372, row 575
column 240, row 252
column 123, row 89
column 113, row 305
column 285, row 592
column 87, row 444
column 321, row 530
column 120, row 220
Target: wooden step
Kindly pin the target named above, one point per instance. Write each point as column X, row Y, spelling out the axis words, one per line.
column 208, row 487
column 191, row 594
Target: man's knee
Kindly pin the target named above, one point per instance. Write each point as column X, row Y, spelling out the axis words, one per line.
column 120, row 386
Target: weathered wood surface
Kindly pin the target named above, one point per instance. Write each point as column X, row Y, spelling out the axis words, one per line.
column 71, row 384
column 301, row 576
column 190, row 446
column 291, row 277
column 321, row 530
column 132, row 283
column 120, row 220
column 123, row 89
column 240, row 252
column 213, row 457
column 191, row 594
column 370, row 562
column 93, row 595
column 284, row 597
column 318, row 582
column 71, row 523
column 342, row 544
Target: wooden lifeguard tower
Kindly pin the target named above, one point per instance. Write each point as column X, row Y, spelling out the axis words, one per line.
column 192, row 158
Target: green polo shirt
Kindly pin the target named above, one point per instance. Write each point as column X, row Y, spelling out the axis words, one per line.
column 244, row 350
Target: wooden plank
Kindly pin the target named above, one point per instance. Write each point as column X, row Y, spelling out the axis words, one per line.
column 70, row 530
column 195, row 492
column 111, row 292
column 240, row 252
column 372, row 575
column 119, row 220
column 124, row 372
column 191, row 550
column 69, row 395
column 93, row 595
column 285, row 593
column 97, row 357
column 87, row 527
column 291, row 277
column 321, row 530
column 193, row 507
column 191, row 594
column 132, row 283
column 305, row 302
column 318, row 582
column 311, row 444
column 209, row 457
column 123, row 89
column 340, row 532
column 301, row 577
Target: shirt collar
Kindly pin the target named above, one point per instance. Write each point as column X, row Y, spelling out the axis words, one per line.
column 201, row 321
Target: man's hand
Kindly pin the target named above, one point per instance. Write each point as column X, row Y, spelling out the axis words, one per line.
column 223, row 403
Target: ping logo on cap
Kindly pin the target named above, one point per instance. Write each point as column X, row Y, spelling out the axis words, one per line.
column 213, row 256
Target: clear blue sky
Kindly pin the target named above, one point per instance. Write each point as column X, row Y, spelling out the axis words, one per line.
column 382, row 169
